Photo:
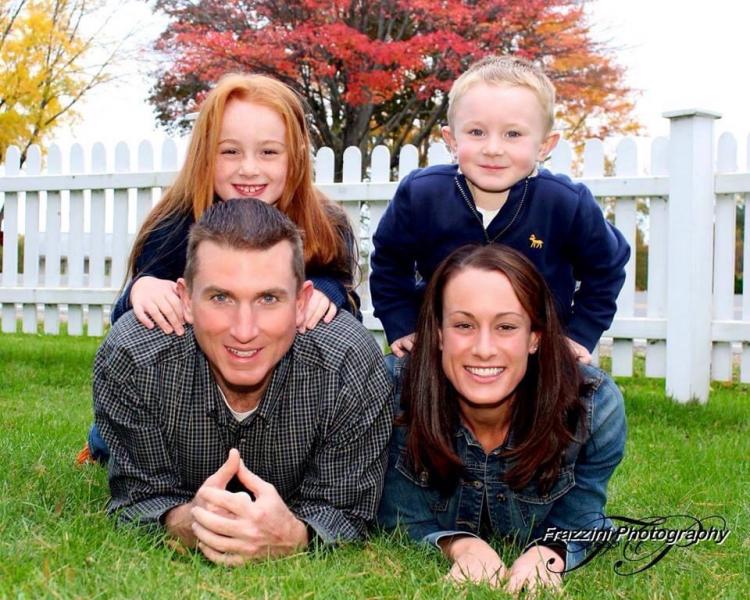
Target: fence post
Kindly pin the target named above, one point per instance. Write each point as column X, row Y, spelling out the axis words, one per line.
column 689, row 259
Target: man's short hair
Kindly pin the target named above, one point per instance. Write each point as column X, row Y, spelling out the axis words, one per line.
column 244, row 224
column 510, row 70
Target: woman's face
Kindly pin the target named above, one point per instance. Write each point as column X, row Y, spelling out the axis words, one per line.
column 485, row 337
column 252, row 155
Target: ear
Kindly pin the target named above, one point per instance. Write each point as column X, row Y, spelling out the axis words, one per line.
column 185, row 300
column 449, row 138
column 534, row 340
column 440, row 339
column 548, row 145
column 303, row 297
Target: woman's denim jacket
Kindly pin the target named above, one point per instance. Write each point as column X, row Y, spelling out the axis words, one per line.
column 576, row 500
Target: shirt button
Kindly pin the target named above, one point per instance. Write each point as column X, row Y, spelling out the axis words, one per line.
column 478, row 485
column 501, row 497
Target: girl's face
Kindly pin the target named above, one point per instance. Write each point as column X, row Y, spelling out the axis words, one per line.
column 252, row 155
column 485, row 338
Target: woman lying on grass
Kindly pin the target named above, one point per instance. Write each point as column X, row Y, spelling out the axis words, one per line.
column 502, row 434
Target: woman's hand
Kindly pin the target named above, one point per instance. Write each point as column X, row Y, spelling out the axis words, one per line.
column 473, row 560
column 318, row 307
column 538, row 567
column 156, row 301
column 403, row 345
column 582, row 355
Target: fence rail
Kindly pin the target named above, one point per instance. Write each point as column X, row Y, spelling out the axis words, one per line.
column 74, row 228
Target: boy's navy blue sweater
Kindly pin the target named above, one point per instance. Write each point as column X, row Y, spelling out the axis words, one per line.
column 553, row 221
column 165, row 253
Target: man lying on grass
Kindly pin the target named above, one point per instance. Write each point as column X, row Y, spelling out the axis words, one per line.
column 243, row 437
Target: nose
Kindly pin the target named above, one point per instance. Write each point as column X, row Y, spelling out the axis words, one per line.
column 245, row 324
column 249, row 165
column 484, row 346
column 493, row 145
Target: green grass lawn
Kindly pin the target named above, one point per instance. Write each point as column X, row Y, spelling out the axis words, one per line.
column 56, row 540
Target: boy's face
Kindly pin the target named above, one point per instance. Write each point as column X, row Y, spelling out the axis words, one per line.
column 498, row 134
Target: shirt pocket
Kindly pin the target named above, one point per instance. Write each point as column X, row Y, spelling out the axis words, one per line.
column 425, row 493
column 534, row 506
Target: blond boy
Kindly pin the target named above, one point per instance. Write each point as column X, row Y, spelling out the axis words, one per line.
column 500, row 120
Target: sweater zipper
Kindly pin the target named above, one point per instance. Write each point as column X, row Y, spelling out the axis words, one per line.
column 474, row 210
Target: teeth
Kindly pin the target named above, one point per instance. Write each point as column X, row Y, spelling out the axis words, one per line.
column 485, row 371
column 242, row 353
column 249, row 189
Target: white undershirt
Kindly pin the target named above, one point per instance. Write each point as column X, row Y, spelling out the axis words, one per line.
column 487, row 215
column 239, row 416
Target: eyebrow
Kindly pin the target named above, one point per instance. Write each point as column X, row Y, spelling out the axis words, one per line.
column 509, row 313
column 266, row 141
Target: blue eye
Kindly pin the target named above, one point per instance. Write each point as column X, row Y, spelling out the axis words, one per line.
column 476, row 132
column 514, row 134
column 219, row 298
column 269, row 299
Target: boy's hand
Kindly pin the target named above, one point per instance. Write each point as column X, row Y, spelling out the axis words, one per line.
column 582, row 355
column 403, row 345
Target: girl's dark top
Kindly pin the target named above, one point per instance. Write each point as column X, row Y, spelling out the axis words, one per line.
column 165, row 251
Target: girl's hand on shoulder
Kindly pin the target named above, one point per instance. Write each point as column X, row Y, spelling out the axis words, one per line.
column 155, row 302
column 403, row 345
column 538, row 567
column 582, row 355
column 318, row 307
column 473, row 560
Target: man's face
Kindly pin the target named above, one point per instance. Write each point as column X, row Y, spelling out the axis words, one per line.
column 245, row 308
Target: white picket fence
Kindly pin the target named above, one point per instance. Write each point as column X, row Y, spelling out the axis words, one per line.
column 691, row 328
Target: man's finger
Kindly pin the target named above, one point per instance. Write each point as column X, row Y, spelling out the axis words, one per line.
column 251, row 481
column 230, row 559
column 222, row 523
column 224, row 475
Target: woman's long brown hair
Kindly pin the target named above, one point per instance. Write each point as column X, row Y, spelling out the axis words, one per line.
column 546, row 409
column 193, row 190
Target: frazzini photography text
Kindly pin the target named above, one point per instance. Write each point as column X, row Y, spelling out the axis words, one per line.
column 642, row 542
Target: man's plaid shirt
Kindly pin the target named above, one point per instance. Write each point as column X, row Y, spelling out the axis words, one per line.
column 319, row 434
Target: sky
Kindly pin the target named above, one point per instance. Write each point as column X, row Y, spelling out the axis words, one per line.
column 678, row 54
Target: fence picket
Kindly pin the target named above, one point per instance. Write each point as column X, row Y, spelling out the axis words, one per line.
column 10, row 239
column 31, row 237
column 325, row 165
column 561, row 158
column 408, row 160
column 144, row 196
column 437, row 154
column 593, row 166
column 626, row 164
column 52, row 242
column 75, row 237
column 656, row 308
column 120, row 219
column 745, row 361
column 724, row 251
column 96, row 252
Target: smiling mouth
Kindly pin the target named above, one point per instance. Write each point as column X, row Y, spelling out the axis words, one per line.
column 249, row 190
column 485, row 371
column 242, row 353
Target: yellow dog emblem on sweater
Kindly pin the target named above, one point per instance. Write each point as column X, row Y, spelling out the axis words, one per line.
column 535, row 243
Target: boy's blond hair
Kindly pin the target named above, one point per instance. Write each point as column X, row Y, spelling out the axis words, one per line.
column 510, row 70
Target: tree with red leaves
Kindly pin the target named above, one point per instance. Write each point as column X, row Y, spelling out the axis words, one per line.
column 378, row 71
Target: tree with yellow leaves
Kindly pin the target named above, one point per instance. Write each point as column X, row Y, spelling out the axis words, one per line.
column 47, row 64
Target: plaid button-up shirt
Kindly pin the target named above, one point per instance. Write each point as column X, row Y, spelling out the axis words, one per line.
column 319, row 434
